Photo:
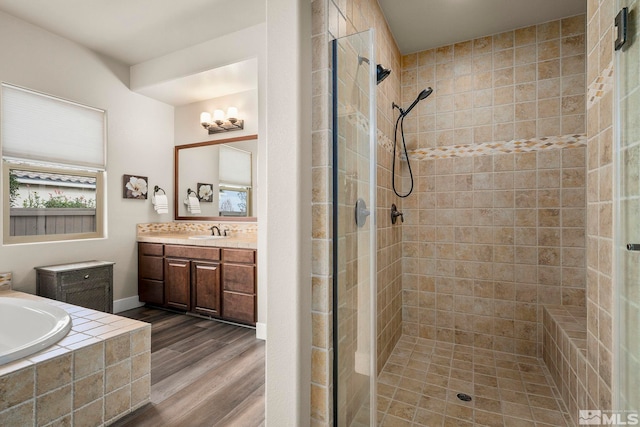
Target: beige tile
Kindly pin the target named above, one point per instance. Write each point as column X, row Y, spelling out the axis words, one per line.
column 90, row 415
column 140, row 391
column 53, row 373
column 16, row 388
column 18, row 415
column 53, row 405
column 88, row 389
column 117, row 375
column 117, row 403
column 117, row 349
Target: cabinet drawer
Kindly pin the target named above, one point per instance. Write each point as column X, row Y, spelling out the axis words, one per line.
column 239, row 255
column 92, row 275
column 150, row 267
column 191, row 252
column 156, row 249
column 239, row 278
column 239, row 307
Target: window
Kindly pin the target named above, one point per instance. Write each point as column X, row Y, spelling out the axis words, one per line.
column 53, row 165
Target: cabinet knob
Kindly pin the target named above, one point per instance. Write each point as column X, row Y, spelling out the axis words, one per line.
column 86, row 276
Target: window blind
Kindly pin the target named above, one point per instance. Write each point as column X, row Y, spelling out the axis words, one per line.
column 234, row 166
column 47, row 129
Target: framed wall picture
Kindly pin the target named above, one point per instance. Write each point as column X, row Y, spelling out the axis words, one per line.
column 205, row 192
column 134, row 187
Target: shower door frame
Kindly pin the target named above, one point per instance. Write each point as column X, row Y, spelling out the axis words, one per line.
column 626, row 212
column 372, row 196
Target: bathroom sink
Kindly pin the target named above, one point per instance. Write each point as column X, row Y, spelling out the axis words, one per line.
column 207, row 237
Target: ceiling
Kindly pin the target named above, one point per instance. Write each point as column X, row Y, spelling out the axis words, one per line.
column 215, row 83
column 135, row 31
column 419, row 25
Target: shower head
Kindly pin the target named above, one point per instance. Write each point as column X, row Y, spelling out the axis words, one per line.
column 422, row 95
column 382, row 73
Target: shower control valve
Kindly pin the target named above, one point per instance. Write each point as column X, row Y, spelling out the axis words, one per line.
column 395, row 213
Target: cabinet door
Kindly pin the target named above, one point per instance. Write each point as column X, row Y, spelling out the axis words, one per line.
column 239, row 307
column 205, row 281
column 177, row 283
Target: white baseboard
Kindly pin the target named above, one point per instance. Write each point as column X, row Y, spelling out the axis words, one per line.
column 261, row 331
column 125, row 304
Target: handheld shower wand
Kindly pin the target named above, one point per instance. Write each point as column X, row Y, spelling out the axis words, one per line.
column 422, row 95
column 403, row 113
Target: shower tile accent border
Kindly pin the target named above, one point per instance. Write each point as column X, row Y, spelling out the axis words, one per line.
column 602, row 85
column 507, row 147
column 95, row 375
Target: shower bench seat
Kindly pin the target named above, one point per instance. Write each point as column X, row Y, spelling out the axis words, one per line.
column 564, row 351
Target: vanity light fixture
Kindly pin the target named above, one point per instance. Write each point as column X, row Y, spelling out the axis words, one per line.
column 220, row 122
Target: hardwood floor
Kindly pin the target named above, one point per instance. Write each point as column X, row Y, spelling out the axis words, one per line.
column 203, row 373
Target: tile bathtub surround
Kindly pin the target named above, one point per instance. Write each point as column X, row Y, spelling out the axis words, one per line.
column 421, row 379
column 487, row 241
column 99, row 372
column 565, row 354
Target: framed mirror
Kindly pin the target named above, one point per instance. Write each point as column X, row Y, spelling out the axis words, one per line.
column 216, row 180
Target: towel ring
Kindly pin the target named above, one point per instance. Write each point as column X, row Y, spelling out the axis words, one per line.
column 156, row 189
column 189, row 191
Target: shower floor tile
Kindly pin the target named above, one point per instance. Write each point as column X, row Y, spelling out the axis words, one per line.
column 420, row 383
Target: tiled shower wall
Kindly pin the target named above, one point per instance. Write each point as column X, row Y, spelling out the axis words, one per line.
column 332, row 19
column 488, row 241
column 490, row 238
column 600, row 173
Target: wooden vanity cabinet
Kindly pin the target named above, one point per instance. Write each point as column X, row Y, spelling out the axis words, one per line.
column 151, row 273
column 217, row 282
column 239, row 285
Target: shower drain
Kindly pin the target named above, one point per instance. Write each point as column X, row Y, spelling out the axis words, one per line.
column 464, row 397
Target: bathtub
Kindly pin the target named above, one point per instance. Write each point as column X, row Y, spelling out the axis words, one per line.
column 28, row 326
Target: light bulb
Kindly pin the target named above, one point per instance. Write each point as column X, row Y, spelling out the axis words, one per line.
column 232, row 113
column 205, row 118
column 218, row 116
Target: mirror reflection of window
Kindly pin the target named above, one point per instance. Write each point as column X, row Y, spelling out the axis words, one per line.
column 234, row 201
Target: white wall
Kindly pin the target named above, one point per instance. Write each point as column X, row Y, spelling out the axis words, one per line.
column 140, row 141
column 288, row 229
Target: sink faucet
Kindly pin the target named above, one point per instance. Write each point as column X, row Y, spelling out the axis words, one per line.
column 215, row 227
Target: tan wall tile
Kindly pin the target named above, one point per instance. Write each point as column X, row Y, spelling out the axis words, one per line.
column 53, row 405
column 16, row 388
column 53, row 373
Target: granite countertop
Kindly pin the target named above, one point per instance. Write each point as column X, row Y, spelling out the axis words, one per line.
column 238, row 240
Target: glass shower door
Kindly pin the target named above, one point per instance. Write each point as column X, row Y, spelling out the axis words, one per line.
column 627, row 395
column 354, row 237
